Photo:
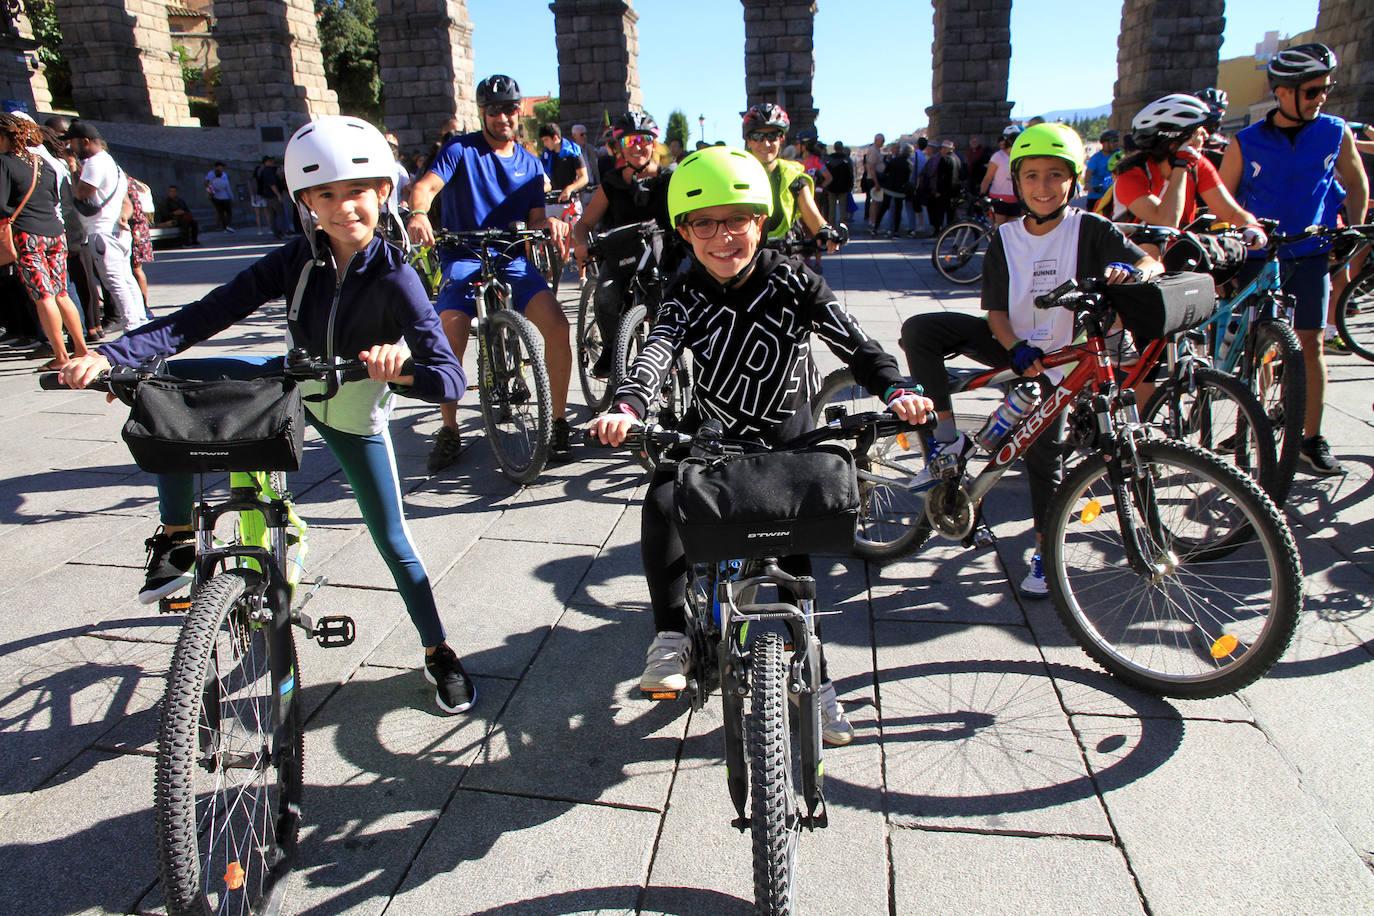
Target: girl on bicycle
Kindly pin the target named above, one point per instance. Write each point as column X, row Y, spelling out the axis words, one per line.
column 1051, row 243
column 747, row 314
column 351, row 293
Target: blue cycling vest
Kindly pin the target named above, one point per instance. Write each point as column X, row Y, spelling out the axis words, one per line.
column 1291, row 181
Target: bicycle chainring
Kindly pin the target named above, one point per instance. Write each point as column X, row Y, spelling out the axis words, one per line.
column 949, row 508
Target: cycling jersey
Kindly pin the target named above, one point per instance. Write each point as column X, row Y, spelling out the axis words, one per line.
column 1289, row 178
column 787, row 180
column 636, row 201
column 1097, row 178
column 1147, row 178
column 751, row 346
column 485, row 190
column 561, row 165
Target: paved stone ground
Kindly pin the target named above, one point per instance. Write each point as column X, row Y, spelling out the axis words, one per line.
column 995, row 769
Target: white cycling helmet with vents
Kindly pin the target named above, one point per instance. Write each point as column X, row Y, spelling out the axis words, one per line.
column 336, row 148
column 1172, row 117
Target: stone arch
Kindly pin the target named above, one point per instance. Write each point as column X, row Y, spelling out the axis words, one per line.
column 598, row 59
column 780, row 57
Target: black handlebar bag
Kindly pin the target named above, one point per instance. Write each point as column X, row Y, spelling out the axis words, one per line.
column 1168, row 305
column 770, row 504
column 179, row 426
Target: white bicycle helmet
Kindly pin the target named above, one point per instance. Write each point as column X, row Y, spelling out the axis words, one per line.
column 1166, row 119
column 1300, row 63
column 336, row 148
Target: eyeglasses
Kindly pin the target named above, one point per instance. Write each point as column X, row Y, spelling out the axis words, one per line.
column 705, row 228
column 501, row 108
column 638, row 140
column 765, row 136
column 1315, row 92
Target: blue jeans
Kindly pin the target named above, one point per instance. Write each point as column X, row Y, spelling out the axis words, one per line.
column 369, row 464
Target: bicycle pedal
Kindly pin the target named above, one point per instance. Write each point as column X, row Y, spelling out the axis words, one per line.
column 981, row 538
column 178, row 605
column 660, row 695
column 335, row 632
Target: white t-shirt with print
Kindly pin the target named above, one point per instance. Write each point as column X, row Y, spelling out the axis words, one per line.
column 1037, row 265
column 101, row 173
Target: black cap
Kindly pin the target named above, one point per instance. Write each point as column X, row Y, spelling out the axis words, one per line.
column 82, row 130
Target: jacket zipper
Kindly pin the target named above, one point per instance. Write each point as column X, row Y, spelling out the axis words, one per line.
column 329, row 328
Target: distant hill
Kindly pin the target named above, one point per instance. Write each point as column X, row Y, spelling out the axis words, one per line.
column 1068, row 114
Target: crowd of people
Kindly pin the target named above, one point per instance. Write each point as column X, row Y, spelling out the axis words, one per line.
column 718, row 208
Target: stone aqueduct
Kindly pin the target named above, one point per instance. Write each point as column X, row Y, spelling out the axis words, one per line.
column 272, row 74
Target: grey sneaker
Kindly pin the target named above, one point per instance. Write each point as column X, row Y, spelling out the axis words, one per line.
column 448, row 445
column 836, row 730
column 665, row 664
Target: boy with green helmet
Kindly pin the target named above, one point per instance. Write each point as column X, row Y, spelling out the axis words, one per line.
column 1053, row 242
column 747, row 314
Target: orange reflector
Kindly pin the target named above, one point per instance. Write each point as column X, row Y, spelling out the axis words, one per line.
column 1269, row 356
column 1090, row 512
column 1224, row 646
column 233, row 876
column 667, row 695
column 902, row 441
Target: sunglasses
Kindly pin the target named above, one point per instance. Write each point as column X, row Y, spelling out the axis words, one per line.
column 706, row 228
column 1315, row 92
column 765, row 136
column 503, row 108
column 638, row 140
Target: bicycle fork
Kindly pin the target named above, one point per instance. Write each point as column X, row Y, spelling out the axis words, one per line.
column 1133, row 485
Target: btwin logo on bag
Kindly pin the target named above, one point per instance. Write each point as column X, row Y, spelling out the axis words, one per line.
column 769, row 534
column 216, row 454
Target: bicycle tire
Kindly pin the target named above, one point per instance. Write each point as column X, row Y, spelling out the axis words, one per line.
column 596, row 391
column 629, row 341
column 1282, row 393
column 774, row 820
column 185, row 813
column 892, row 519
column 547, row 263
column 1355, row 313
column 512, row 377
column 959, row 250
column 1225, row 644
column 1210, row 426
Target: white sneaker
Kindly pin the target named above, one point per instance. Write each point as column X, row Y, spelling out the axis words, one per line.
column 836, row 730
column 923, row 480
column 665, row 664
column 1034, row 585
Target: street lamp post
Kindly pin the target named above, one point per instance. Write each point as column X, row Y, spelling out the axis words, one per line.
column 701, row 128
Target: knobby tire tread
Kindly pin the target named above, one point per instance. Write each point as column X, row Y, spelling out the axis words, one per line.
column 771, row 796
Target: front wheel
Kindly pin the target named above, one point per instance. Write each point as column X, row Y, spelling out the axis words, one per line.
column 775, row 819
column 227, row 788
column 590, row 346
column 629, row 341
column 1202, row 622
column 547, row 262
column 959, row 251
column 517, row 399
column 1355, row 313
column 1278, row 378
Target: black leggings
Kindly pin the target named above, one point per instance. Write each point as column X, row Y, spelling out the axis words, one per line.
column 665, row 563
column 928, row 340
column 897, row 204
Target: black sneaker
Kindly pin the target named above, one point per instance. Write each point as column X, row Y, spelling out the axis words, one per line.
column 448, row 445
column 454, row 691
column 170, row 558
column 1317, row 454
column 560, row 449
column 602, row 367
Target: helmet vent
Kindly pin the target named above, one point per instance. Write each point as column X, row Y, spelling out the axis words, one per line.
column 695, row 192
column 313, row 167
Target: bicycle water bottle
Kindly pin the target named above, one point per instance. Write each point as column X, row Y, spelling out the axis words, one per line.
column 1228, row 336
column 1018, row 403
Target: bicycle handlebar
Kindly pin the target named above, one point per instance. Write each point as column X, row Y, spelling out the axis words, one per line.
column 122, row 380
column 850, row 426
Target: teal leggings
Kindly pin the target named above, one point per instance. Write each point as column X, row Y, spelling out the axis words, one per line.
column 369, row 463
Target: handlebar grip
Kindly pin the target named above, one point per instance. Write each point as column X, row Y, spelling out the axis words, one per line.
column 51, row 381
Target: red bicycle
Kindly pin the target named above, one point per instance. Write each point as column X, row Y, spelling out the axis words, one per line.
column 1172, row 569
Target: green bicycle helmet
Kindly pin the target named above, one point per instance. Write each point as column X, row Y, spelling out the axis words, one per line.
column 718, row 175
column 1114, row 160
column 1058, row 140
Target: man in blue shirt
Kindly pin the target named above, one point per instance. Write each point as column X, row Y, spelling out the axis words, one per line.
column 1285, row 167
column 488, row 181
column 1098, row 174
column 563, row 166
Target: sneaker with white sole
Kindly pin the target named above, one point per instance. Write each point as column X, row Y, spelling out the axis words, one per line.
column 170, row 558
column 1034, row 585
column 454, row 691
column 665, row 664
column 924, row 479
column 1316, row 454
column 836, row 730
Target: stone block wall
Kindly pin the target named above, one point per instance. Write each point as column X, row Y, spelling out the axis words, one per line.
column 970, row 67
column 1164, row 46
column 426, row 62
column 20, row 75
column 271, row 69
column 598, row 60
column 780, row 59
column 123, row 66
column 1347, row 27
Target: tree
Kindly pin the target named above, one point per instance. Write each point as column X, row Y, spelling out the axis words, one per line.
column 677, row 128
column 544, row 112
column 1090, row 128
column 348, row 43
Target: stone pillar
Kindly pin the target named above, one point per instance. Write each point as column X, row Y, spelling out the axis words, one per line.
column 425, row 56
column 271, row 70
column 972, row 61
column 598, row 61
column 21, row 78
column 1165, row 46
column 1347, row 27
column 780, row 59
column 123, row 67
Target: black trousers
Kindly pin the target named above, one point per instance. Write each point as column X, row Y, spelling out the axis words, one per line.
column 224, row 210
column 896, row 204
column 928, row 340
column 939, row 210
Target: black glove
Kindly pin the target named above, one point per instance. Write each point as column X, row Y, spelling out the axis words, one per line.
column 837, row 234
column 1023, row 356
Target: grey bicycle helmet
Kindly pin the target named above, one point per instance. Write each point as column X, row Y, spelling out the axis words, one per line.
column 1300, row 63
column 496, row 89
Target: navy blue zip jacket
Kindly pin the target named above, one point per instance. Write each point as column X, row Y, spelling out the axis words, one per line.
column 380, row 301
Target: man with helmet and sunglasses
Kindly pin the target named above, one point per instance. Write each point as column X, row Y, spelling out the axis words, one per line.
column 637, row 192
column 351, row 293
column 1050, row 244
column 794, row 191
column 489, row 181
column 1290, row 167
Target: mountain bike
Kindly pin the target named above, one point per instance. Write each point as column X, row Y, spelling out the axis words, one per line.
column 1171, row 568
column 227, row 797
column 751, row 626
column 625, row 245
column 512, row 381
column 960, row 247
column 425, row 260
column 543, row 253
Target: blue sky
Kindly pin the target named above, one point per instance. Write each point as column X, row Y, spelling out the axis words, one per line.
column 872, row 56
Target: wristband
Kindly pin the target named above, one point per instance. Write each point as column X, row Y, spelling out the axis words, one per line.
column 896, row 391
column 626, row 409
column 418, row 213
